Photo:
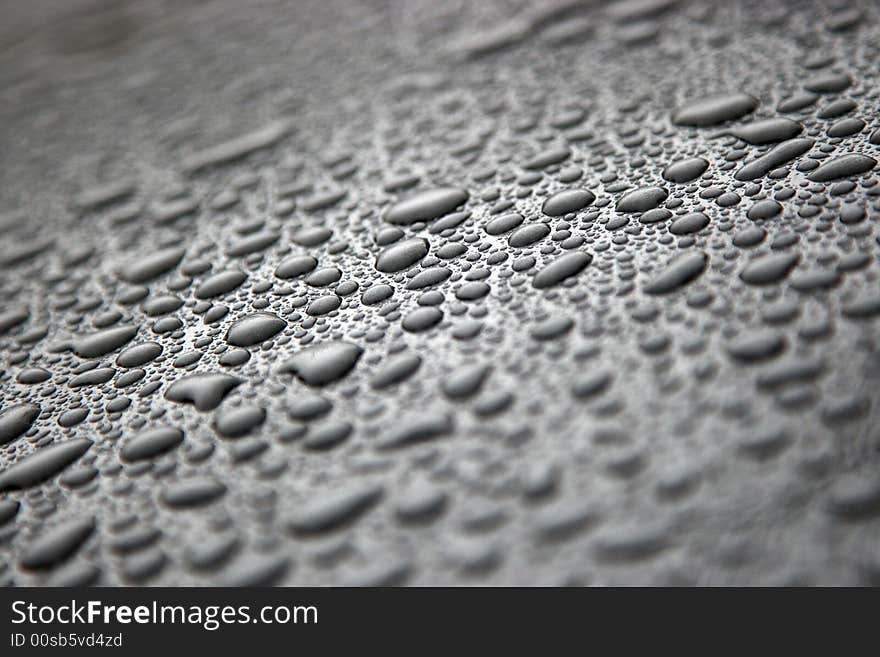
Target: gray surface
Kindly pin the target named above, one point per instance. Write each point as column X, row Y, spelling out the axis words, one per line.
column 632, row 425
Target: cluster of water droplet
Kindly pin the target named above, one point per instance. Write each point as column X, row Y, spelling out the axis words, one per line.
column 532, row 320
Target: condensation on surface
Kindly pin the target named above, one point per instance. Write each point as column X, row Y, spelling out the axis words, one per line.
column 456, row 293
